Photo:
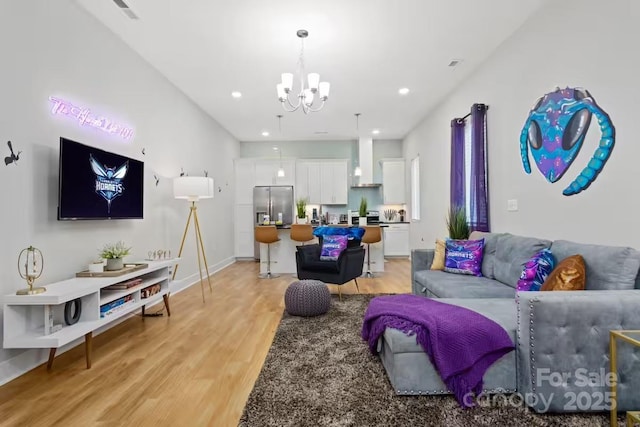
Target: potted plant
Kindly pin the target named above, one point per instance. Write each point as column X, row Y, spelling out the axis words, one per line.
column 457, row 223
column 114, row 253
column 301, row 208
column 363, row 212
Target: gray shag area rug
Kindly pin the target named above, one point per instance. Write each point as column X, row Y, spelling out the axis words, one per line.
column 319, row 372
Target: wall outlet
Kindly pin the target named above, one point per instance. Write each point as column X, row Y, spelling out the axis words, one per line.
column 512, row 205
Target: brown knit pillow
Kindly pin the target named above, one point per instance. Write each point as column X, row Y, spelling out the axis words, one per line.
column 569, row 275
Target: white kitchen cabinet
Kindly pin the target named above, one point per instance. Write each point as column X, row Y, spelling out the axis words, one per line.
column 308, row 183
column 393, row 181
column 245, row 180
column 334, row 185
column 396, row 240
column 266, row 172
column 244, row 223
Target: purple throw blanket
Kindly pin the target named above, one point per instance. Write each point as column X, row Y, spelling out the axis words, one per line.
column 461, row 343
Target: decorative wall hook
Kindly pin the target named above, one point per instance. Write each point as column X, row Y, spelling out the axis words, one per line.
column 12, row 158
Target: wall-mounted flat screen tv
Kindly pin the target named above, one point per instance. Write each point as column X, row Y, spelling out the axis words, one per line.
column 97, row 184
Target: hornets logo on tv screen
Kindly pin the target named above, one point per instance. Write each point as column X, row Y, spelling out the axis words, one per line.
column 108, row 180
column 96, row 184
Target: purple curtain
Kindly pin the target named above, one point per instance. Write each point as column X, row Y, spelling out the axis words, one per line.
column 457, row 163
column 479, row 203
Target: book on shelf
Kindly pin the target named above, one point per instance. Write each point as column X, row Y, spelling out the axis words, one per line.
column 124, row 285
column 116, row 309
column 150, row 291
column 113, row 305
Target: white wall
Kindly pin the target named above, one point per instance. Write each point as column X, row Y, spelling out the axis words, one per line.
column 55, row 48
column 590, row 44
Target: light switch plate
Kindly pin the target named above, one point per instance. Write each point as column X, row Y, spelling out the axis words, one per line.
column 512, row 205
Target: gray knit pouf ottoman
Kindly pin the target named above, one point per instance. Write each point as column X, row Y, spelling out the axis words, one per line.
column 307, row 298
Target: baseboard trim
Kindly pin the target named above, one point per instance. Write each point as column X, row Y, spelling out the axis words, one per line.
column 178, row 286
column 27, row 360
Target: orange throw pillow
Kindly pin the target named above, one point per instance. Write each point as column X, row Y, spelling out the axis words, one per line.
column 569, row 275
column 438, row 258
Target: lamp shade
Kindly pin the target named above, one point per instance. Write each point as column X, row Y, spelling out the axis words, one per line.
column 193, row 188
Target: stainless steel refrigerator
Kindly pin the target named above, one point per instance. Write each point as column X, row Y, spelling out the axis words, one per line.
column 272, row 201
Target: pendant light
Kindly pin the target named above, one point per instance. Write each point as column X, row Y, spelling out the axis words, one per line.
column 358, row 170
column 281, row 169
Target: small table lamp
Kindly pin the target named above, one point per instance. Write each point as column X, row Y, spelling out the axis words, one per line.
column 193, row 189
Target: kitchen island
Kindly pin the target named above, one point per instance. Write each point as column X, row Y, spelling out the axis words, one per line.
column 283, row 254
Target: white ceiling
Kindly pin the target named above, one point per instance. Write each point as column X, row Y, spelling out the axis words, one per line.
column 366, row 49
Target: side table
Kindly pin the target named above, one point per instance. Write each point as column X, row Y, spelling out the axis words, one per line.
column 633, row 338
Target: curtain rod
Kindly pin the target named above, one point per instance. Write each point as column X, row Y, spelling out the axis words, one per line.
column 469, row 114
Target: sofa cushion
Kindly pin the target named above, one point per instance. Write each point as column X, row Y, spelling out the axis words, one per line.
column 438, row 256
column 569, row 275
column 608, row 267
column 447, row 285
column 463, row 256
column 332, row 247
column 322, row 266
column 489, row 254
column 536, row 271
column 512, row 254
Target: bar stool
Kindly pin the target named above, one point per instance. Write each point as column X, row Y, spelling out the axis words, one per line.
column 372, row 234
column 267, row 234
column 301, row 232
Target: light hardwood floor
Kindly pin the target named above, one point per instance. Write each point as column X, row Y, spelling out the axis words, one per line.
column 195, row 368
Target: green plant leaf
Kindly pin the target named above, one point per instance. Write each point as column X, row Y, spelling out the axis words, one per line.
column 363, row 207
column 457, row 223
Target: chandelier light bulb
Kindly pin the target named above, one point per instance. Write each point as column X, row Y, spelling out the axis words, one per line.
column 287, row 82
column 310, row 85
column 282, row 95
column 314, row 80
column 280, row 172
column 324, row 90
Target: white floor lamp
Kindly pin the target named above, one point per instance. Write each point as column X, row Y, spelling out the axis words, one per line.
column 193, row 189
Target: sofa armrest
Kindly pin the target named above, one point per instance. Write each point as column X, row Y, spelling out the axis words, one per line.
column 563, row 349
column 421, row 259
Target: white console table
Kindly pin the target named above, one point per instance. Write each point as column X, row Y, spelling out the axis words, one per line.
column 28, row 319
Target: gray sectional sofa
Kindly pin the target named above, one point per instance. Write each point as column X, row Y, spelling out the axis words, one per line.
column 555, row 333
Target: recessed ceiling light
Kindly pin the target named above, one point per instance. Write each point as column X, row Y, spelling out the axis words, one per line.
column 403, row 90
column 275, row 148
column 375, row 131
column 265, row 133
column 236, row 94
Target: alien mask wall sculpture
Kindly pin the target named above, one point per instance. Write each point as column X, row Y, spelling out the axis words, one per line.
column 555, row 130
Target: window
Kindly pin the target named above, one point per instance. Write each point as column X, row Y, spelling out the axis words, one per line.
column 415, row 188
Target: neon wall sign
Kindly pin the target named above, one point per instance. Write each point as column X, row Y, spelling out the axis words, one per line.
column 86, row 117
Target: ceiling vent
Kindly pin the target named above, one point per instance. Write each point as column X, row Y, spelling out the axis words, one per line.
column 126, row 9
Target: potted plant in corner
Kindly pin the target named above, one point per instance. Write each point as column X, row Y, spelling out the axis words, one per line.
column 457, row 223
column 362, row 212
column 301, row 209
column 114, row 253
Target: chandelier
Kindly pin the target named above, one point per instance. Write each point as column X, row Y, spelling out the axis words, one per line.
column 307, row 95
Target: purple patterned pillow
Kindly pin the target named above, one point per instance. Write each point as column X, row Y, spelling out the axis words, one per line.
column 332, row 247
column 536, row 270
column 464, row 256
